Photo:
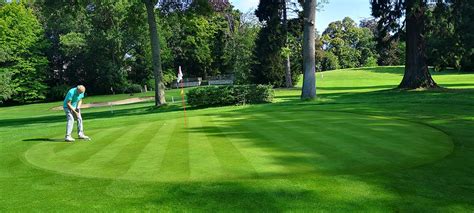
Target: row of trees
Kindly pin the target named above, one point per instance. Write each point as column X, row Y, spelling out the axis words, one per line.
column 50, row 45
column 105, row 44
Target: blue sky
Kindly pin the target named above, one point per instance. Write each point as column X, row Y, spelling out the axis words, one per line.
column 333, row 11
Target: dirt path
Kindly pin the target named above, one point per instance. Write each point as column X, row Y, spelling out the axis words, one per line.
column 114, row 103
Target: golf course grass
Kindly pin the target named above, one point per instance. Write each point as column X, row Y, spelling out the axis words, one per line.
column 361, row 146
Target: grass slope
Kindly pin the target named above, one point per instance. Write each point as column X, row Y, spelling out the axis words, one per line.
column 359, row 147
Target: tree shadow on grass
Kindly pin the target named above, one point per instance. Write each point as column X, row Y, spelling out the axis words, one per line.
column 442, row 184
column 91, row 115
column 248, row 196
column 53, row 140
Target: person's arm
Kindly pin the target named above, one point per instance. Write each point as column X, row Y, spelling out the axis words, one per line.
column 79, row 104
column 70, row 107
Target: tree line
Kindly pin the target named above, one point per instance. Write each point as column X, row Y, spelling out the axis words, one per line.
column 48, row 46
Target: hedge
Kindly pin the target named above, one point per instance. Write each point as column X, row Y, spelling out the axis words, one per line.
column 229, row 95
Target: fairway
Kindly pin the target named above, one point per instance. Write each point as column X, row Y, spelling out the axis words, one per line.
column 361, row 146
column 246, row 145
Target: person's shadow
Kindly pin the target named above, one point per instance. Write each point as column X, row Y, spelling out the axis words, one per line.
column 57, row 140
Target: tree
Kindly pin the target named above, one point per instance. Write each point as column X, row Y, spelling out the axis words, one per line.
column 443, row 46
column 464, row 15
column 416, row 74
column 287, row 53
column 268, row 67
column 354, row 46
column 309, row 77
column 238, row 52
column 22, row 62
column 155, row 48
column 92, row 42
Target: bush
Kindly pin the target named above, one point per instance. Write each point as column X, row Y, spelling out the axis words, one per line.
column 330, row 62
column 133, row 88
column 230, row 95
column 58, row 92
column 370, row 62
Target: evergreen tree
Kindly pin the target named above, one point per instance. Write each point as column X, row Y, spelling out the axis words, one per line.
column 268, row 67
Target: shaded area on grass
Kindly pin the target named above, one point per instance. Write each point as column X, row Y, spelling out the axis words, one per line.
column 57, row 140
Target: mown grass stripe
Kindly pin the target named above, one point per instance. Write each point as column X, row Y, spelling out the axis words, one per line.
column 95, row 162
column 287, row 154
column 325, row 139
column 125, row 158
column 371, row 146
column 235, row 158
column 175, row 164
column 147, row 165
column 204, row 163
column 67, row 149
column 83, row 152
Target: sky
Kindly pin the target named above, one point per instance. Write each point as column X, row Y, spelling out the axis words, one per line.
column 333, row 11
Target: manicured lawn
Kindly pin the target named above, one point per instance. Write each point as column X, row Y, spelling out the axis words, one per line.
column 360, row 147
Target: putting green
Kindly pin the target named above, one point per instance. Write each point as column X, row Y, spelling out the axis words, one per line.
column 234, row 145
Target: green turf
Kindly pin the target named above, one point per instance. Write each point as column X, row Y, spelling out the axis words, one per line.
column 359, row 147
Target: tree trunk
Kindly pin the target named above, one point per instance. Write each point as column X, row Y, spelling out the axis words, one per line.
column 309, row 61
column 416, row 69
column 288, row 80
column 155, row 49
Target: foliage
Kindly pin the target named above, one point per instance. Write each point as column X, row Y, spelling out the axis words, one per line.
column 6, row 86
column 21, row 56
column 464, row 17
column 352, row 45
column 168, row 79
column 58, row 92
column 203, row 42
column 239, row 51
column 329, row 62
column 443, row 47
column 72, row 43
column 268, row 67
column 133, row 88
column 229, row 95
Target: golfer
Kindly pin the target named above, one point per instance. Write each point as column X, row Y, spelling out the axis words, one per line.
column 72, row 105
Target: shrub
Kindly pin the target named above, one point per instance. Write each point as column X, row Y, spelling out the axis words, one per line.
column 370, row 62
column 58, row 92
column 330, row 62
column 133, row 88
column 230, row 95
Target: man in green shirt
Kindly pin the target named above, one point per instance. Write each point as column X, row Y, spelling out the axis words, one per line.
column 72, row 105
